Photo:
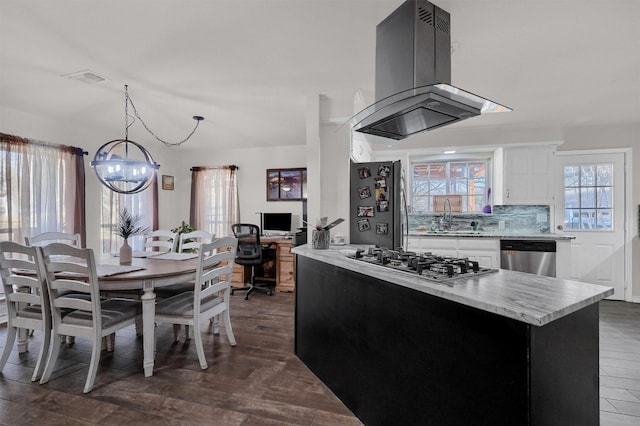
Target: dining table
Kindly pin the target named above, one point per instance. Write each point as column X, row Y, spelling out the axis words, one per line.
column 145, row 274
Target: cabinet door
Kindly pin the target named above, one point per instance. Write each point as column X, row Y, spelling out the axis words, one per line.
column 286, row 268
column 436, row 245
column 237, row 279
column 528, row 175
column 486, row 258
column 484, row 251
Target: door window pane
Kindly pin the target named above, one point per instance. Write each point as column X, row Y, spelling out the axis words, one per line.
column 605, row 175
column 587, row 197
column 604, row 198
column 587, row 175
column 571, row 176
column 604, row 220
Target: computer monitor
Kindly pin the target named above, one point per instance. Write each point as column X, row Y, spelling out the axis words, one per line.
column 276, row 223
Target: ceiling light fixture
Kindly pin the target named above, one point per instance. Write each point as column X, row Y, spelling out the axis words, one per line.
column 125, row 166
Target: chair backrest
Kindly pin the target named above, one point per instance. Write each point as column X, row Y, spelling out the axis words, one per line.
column 70, row 271
column 24, row 283
column 161, row 239
column 248, row 236
column 54, row 237
column 215, row 270
column 190, row 242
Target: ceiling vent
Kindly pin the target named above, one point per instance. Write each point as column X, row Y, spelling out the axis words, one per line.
column 85, row 76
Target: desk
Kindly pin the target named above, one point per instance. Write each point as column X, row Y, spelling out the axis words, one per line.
column 157, row 273
column 284, row 265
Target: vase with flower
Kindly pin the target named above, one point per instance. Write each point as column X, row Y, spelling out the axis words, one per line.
column 128, row 225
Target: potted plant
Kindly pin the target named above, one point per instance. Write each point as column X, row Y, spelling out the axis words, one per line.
column 128, row 225
column 184, row 229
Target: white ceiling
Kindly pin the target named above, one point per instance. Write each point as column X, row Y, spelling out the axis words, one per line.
column 248, row 66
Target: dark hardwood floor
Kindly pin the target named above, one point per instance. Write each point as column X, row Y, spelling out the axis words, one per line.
column 619, row 363
column 259, row 382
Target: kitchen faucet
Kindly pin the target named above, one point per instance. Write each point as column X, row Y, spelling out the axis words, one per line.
column 446, row 201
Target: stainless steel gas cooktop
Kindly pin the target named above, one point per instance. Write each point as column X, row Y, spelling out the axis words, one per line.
column 426, row 265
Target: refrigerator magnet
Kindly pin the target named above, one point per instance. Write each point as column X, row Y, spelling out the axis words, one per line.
column 381, row 194
column 364, row 192
column 384, row 170
column 364, row 225
column 381, row 182
column 382, row 228
column 365, row 211
column 364, row 172
column 383, row 206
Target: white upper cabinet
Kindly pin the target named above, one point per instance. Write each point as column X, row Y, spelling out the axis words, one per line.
column 527, row 175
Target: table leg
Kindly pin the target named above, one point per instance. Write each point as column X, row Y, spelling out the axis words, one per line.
column 148, row 322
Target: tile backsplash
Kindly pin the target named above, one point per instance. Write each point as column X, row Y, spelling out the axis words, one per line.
column 533, row 219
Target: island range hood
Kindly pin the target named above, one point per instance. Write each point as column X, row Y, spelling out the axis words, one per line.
column 413, row 76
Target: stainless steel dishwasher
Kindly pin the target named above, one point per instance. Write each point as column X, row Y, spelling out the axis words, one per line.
column 533, row 256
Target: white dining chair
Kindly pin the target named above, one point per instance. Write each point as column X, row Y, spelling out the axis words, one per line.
column 27, row 299
column 162, row 240
column 209, row 296
column 188, row 242
column 45, row 238
column 71, row 269
column 54, row 237
column 191, row 241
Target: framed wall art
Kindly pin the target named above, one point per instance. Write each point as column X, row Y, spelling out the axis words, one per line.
column 167, row 182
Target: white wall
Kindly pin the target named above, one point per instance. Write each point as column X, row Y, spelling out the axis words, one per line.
column 328, row 152
column 252, row 178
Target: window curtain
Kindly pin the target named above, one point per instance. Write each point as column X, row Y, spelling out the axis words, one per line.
column 214, row 199
column 143, row 204
column 42, row 188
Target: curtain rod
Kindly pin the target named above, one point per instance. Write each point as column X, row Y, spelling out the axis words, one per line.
column 199, row 168
column 20, row 140
column 74, row 149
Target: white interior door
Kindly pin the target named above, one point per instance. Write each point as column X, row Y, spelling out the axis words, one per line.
column 590, row 205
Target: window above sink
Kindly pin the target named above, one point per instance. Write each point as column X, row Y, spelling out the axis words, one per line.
column 464, row 181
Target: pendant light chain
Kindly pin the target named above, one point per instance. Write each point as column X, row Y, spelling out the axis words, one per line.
column 135, row 111
column 126, row 113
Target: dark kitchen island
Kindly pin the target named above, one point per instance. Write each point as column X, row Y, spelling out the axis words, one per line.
column 505, row 348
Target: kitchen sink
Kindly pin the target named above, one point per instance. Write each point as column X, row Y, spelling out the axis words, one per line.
column 452, row 232
column 457, row 232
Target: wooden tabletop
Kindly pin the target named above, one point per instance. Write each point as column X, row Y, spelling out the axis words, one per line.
column 160, row 272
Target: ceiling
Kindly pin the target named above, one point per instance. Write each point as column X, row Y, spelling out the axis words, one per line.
column 248, row 66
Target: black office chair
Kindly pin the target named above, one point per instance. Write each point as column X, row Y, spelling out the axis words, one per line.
column 251, row 253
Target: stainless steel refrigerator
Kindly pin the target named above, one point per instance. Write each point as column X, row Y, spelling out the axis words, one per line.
column 376, row 204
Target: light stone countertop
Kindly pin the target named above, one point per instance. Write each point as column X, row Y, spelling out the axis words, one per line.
column 529, row 298
column 491, row 234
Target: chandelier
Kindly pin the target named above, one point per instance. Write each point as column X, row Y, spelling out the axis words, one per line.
column 125, row 166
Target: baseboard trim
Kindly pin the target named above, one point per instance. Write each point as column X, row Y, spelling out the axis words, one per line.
column 635, row 299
